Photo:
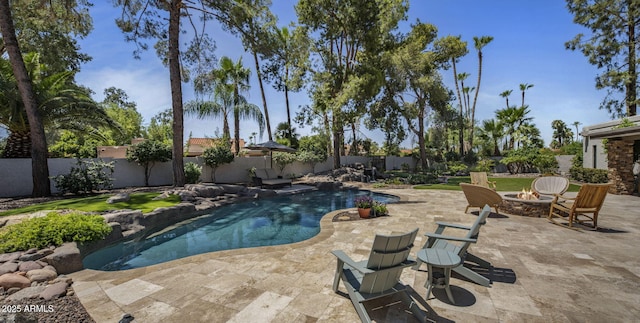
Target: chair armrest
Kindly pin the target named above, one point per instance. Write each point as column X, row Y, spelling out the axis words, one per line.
column 453, row 225
column 343, row 257
column 443, row 237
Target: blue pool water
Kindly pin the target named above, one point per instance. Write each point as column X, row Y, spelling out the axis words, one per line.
column 264, row 222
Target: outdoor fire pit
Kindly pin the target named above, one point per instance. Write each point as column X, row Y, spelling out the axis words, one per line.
column 526, row 203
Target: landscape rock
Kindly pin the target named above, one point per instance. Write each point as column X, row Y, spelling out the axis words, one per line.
column 162, row 196
column 30, row 256
column 120, row 197
column 8, row 267
column 233, row 189
column 28, row 265
column 123, row 216
column 54, row 291
column 10, row 256
column 205, row 190
column 31, row 251
column 11, row 280
column 66, row 258
column 187, row 196
column 26, row 293
column 41, row 275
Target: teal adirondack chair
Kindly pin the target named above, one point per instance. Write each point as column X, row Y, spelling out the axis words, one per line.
column 460, row 246
column 378, row 276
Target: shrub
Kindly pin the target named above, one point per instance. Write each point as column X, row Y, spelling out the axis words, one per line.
column 379, row 209
column 192, row 172
column 546, row 162
column 427, row 178
column 457, row 167
column 52, row 229
column 311, row 158
column 216, row 156
column 589, row 175
column 147, row 153
column 282, row 159
column 86, row 177
column 484, row 165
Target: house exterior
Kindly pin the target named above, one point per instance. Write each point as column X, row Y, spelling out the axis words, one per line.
column 116, row 151
column 196, row 146
column 623, row 149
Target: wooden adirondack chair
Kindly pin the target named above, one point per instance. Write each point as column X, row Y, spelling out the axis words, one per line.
column 460, row 246
column 588, row 201
column 480, row 178
column 378, row 276
column 479, row 196
column 550, row 185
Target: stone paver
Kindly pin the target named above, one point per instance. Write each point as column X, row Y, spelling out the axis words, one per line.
column 542, row 273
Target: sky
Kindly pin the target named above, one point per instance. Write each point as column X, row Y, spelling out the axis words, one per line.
column 528, row 47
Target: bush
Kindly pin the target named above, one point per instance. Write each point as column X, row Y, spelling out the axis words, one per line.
column 86, row 177
column 53, row 229
column 427, row 178
column 457, row 167
column 589, row 175
column 484, row 165
column 147, row 153
column 192, row 173
column 217, row 156
column 546, row 162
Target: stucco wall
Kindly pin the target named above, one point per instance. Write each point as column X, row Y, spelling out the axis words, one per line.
column 15, row 174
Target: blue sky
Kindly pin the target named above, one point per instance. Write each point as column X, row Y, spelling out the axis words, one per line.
column 528, row 47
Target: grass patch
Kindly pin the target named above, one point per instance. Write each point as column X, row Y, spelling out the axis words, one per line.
column 139, row 201
column 504, row 184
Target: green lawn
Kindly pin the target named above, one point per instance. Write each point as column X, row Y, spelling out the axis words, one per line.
column 139, row 201
column 506, row 184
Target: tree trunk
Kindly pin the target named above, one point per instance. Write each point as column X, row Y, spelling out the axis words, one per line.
column 289, row 130
column 633, row 76
column 39, row 164
column 475, row 99
column 236, row 122
column 461, row 125
column 264, row 99
column 337, row 129
column 176, row 93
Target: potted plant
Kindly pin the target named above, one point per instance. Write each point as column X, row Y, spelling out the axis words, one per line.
column 379, row 209
column 364, row 204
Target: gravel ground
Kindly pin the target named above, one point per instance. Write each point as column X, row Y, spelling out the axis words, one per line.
column 63, row 309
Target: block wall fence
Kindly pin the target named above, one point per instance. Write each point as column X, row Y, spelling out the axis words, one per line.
column 15, row 174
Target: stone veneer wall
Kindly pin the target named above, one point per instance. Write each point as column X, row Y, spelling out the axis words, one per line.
column 620, row 158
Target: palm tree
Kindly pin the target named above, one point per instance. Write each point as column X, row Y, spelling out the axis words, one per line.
column 220, row 106
column 479, row 43
column 523, row 88
column 576, row 124
column 513, row 118
column 505, row 95
column 233, row 78
column 492, row 130
column 61, row 104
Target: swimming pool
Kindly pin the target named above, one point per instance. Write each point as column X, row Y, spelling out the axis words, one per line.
column 256, row 223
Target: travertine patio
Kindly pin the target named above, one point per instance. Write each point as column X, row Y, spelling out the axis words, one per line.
column 543, row 273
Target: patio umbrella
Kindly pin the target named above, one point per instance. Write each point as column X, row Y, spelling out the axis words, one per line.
column 271, row 146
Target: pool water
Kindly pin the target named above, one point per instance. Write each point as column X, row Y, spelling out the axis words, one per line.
column 256, row 223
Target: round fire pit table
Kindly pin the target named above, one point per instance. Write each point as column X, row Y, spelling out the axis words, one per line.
column 512, row 204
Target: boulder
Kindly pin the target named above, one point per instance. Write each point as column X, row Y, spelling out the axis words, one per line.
column 120, row 197
column 123, row 216
column 205, row 190
column 26, row 293
column 187, row 196
column 66, row 258
column 162, row 196
column 30, row 256
column 8, row 267
column 6, row 257
column 41, row 275
column 8, row 281
column 54, row 291
column 28, row 265
column 233, row 189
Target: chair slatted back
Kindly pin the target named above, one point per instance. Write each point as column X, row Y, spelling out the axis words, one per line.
column 550, row 185
column 389, row 253
column 590, row 197
column 461, row 248
column 479, row 195
column 479, row 178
